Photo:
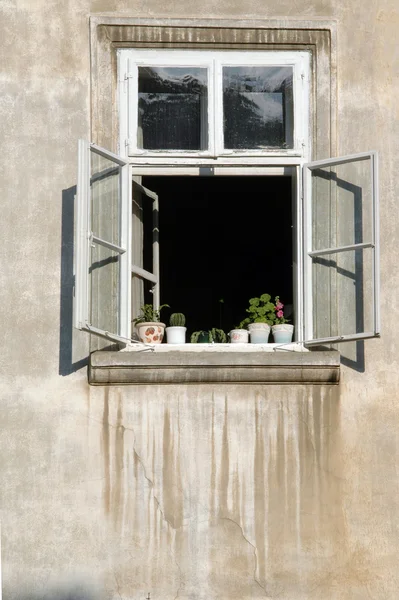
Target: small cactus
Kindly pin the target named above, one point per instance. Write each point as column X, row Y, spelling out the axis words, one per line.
column 217, row 336
column 177, row 320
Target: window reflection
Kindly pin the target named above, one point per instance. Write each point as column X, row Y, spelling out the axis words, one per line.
column 258, row 107
column 172, row 108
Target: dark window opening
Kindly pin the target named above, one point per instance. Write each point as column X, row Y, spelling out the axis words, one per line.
column 223, row 240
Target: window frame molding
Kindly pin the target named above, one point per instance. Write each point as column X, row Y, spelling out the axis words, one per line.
column 108, row 33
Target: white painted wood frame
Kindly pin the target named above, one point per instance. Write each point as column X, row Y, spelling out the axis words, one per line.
column 310, row 253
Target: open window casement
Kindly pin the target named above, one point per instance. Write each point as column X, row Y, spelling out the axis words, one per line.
column 103, row 244
column 109, row 245
column 145, row 248
column 341, row 251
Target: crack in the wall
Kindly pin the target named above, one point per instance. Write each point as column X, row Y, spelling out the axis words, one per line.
column 158, row 503
column 118, row 588
column 254, row 550
column 180, row 579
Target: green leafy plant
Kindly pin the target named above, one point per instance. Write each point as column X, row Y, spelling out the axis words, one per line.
column 260, row 310
column 177, row 320
column 211, row 336
column 200, row 336
column 148, row 314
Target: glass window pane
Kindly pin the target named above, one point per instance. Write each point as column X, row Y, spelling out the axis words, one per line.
column 142, row 248
column 342, row 208
column 105, row 194
column 173, row 108
column 258, row 107
column 105, row 285
column 347, row 279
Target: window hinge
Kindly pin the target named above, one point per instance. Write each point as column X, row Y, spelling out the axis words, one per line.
column 126, row 78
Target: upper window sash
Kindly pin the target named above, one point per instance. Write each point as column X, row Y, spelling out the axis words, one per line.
column 299, row 63
column 130, row 64
column 130, row 61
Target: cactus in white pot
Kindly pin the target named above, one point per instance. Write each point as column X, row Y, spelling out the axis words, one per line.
column 176, row 332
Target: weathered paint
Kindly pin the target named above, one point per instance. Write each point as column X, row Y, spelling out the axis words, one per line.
column 286, row 492
column 225, row 482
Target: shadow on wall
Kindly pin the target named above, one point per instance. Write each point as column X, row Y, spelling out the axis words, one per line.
column 74, row 593
column 66, row 364
column 352, row 355
column 349, row 284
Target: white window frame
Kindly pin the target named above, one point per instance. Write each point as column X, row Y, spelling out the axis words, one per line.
column 303, row 251
column 154, row 276
column 85, row 238
column 372, row 243
column 220, row 162
column 129, row 60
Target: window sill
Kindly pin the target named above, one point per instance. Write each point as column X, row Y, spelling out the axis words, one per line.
column 214, row 363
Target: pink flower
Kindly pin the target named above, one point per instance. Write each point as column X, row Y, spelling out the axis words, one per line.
column 279, row 306
column 280, row 314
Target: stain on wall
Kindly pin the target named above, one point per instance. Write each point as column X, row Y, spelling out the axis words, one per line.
column 233, row 492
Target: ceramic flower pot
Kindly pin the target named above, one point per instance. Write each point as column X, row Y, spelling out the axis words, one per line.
column 176, row 334
column 259, row 333
column 283, row 333
column 151, row 332
column 238, row 336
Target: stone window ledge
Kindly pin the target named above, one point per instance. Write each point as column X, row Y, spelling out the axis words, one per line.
column 214, row 365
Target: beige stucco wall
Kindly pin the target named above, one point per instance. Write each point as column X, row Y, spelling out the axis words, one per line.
column 189, row 492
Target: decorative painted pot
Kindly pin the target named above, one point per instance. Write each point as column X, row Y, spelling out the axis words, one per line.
column 259, row 333
column 238, row 336
column 283, row 333
column 176, row 334
column 151, row 332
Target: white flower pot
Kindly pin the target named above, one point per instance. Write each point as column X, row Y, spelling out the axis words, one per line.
column 176, row 334
column 238, row 336
column 259, row 333
column 151, row 332
column 283, row 333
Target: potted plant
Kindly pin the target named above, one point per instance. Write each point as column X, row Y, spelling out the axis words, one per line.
column 210, row 336
column 149, row 328
column 176, row 332
column 239, row 335
column 282, row 330
column 262, row 315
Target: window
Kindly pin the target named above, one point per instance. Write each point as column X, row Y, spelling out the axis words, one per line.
column 208, row 104
column 235, row 117
column 341, row 271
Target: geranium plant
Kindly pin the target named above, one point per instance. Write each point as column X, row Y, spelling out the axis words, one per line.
column 279, row 318
column 260, row 310
column 263, row 310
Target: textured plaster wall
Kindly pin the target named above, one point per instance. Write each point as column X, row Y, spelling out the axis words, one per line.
column 196, row 492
